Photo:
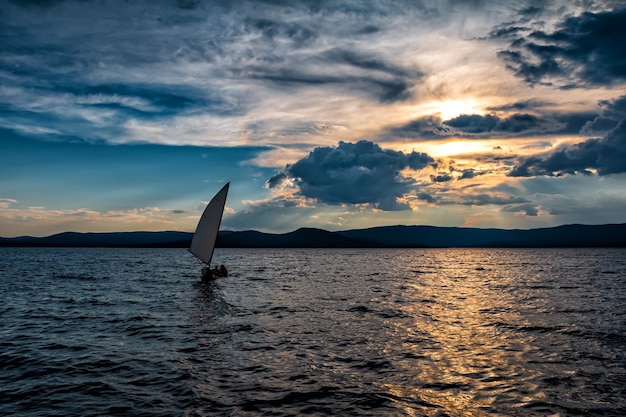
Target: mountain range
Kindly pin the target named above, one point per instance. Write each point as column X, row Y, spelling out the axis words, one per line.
column 576, row 235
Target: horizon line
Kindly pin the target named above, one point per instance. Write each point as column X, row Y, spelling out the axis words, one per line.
column 312, row 228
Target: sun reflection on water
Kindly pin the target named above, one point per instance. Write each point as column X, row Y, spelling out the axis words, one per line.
column 458, row 346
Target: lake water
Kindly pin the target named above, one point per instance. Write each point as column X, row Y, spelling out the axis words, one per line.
column 420, row 332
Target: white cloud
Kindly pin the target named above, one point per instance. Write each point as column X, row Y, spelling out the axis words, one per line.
column 41, row 221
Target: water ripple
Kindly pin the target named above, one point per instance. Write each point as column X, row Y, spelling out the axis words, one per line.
column 322, row 332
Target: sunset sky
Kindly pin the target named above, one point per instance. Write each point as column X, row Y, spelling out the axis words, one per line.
column 120, row 116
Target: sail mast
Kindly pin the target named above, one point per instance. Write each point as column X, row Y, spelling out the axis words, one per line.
column 205, row 237
column 223, row 191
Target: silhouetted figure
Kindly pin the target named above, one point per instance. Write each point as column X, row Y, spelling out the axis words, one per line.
column 209, row 274
column 220, row 272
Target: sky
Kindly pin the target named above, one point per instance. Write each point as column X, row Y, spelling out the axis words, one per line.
column 131, row 115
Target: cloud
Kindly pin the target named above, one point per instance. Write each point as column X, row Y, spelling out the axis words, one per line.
column 467, row 174
column 490, row 125
column 606, row 155
column 15, row 220
column 528, row 209
column 92, row 71
column 218, row 64
column 424, row 196
column 519, row 124
column 477, row 196
column 611, row 113
column 271, row 215
column 346, row 70
column 5, row 203
column 354, row 173
column 474, row 123
column 441, row 178
column 495, row 199
column 587, row 49
column 428, row 127
column 530, row 104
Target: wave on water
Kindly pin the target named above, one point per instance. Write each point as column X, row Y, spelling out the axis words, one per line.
column 447, row 332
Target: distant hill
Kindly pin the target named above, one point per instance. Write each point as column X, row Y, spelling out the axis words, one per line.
column 115, row 239
column 609, row 235
column 301, row 238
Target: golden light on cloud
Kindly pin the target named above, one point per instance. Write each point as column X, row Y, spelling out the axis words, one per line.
column 451, row 148
column 449, row 109
column 504, row 146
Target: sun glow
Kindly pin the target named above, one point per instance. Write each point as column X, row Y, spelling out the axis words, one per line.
column 449, row 109
column 451, row 148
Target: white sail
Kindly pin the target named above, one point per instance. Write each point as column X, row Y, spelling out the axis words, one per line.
column 203, row 242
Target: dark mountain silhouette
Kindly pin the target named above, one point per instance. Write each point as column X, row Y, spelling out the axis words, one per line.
column 114, row 239
column 609, row 235
column 301, row 238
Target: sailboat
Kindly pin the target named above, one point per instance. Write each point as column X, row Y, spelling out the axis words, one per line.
column 203, row 242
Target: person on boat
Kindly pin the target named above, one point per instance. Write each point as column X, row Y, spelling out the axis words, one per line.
column 220, row 272
column 210, row 274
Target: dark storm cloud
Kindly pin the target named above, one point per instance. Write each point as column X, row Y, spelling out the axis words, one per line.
column 391, row 80
column 354, row 173
column 598, row 125
column 426, row 197
column 507, row 31
column 574, row 123
column 491, row 125
column 441, row 178
column 474, row 123
column 607, row 154
column 488, row 199
column 525, row 122
column 467, row 174
column 425, row 127
column 455, row 174
column 529, row 209
column 521, row 105
column 611, row 113
column 583, row 50
column 352, row 71
column 517, row 123
column 383, row 90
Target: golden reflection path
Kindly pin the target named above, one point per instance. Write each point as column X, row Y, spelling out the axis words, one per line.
column 460, row 350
